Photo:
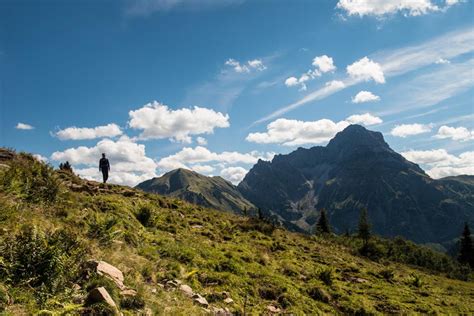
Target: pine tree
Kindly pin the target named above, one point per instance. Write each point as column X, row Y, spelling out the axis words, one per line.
column 364, row 226
column 322, row 227
column 65, row 166
column 466, row 253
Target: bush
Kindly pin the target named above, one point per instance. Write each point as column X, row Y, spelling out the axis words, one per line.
column 326, row 275
column 144, row 216
column 387, row 274
column 46, row 262
column 416, row 280
column 30, row 179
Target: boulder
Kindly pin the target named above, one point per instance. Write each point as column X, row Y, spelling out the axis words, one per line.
column 186, row 289
column 107, row 270
column 273, row 309
column 200, row 300
column 100, row 295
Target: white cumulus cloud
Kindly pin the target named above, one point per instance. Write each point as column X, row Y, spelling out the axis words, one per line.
column 158, row 121
column 455, row 133
column 366, row 69
column 80, row 133
column 365, row 96
column 255, row 64
column 322, row 64
column 294, row 132
column 405, row 130
column 129, row 163
column 380, row 8
column 440, row 163
column 201, row 140
column 366, row 119
column 24, row 126
column 228, row 164
column 233, row 174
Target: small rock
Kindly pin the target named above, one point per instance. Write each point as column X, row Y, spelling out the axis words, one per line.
column 197, row 226
column 128, row 292
column 228, row 300
column 154, row 291
column 200, row 300
column 99, row 295
column 107, row 270
column 358, row 280
column 220, row 312
column 186, row 289
column 273, row 309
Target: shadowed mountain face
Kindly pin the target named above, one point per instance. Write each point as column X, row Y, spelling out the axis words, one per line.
column 213, row 192
column 358, row 169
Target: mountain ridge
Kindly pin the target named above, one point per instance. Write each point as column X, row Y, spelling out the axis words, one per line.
column 214, row 192
column 358, row 169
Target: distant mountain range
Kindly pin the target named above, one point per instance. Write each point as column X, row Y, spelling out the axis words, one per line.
column 213, row 192
column 356, row 170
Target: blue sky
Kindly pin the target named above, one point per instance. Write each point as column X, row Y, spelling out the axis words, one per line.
column 216, row 85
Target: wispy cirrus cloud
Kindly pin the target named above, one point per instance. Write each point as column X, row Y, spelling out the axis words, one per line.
column 394, row 63
column 148, row 7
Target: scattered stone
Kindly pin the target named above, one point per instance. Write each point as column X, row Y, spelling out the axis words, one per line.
column 358, row 280
column 200, row 300
column 220, row 312
column 161, row 285
column 107, row 270
column 128, row 292
column 228, row 300
column 197, row 226
column 154, row 291
column 76, row 287
column 171, row 284
column 100, row 295
column 186, row 289
column 273, row 309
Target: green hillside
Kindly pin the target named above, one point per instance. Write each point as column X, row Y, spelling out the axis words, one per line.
column 52, row 223
column 212, row 192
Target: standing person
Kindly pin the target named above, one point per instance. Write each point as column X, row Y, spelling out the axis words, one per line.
column 104, row 166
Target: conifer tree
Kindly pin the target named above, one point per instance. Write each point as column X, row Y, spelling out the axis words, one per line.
column 322, row 227
column 364, row 226
column 466, row 252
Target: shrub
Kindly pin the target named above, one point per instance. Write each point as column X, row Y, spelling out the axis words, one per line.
column 133, row 302
column 30, row 179
column 326, row 275
column 144, row 216
column 416, row 280
column 46, row 262
column 387, row 274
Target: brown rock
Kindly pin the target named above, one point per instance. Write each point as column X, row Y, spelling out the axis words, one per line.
column 186, row 289
column 107, row 270
column 100, row 295
column 200, row 300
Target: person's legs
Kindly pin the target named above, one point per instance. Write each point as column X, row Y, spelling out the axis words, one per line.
column 105, row 175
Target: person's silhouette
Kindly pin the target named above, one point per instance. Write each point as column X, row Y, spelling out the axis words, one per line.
column 104, row 166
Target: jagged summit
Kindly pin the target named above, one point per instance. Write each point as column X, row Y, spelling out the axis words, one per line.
column 357, row 135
